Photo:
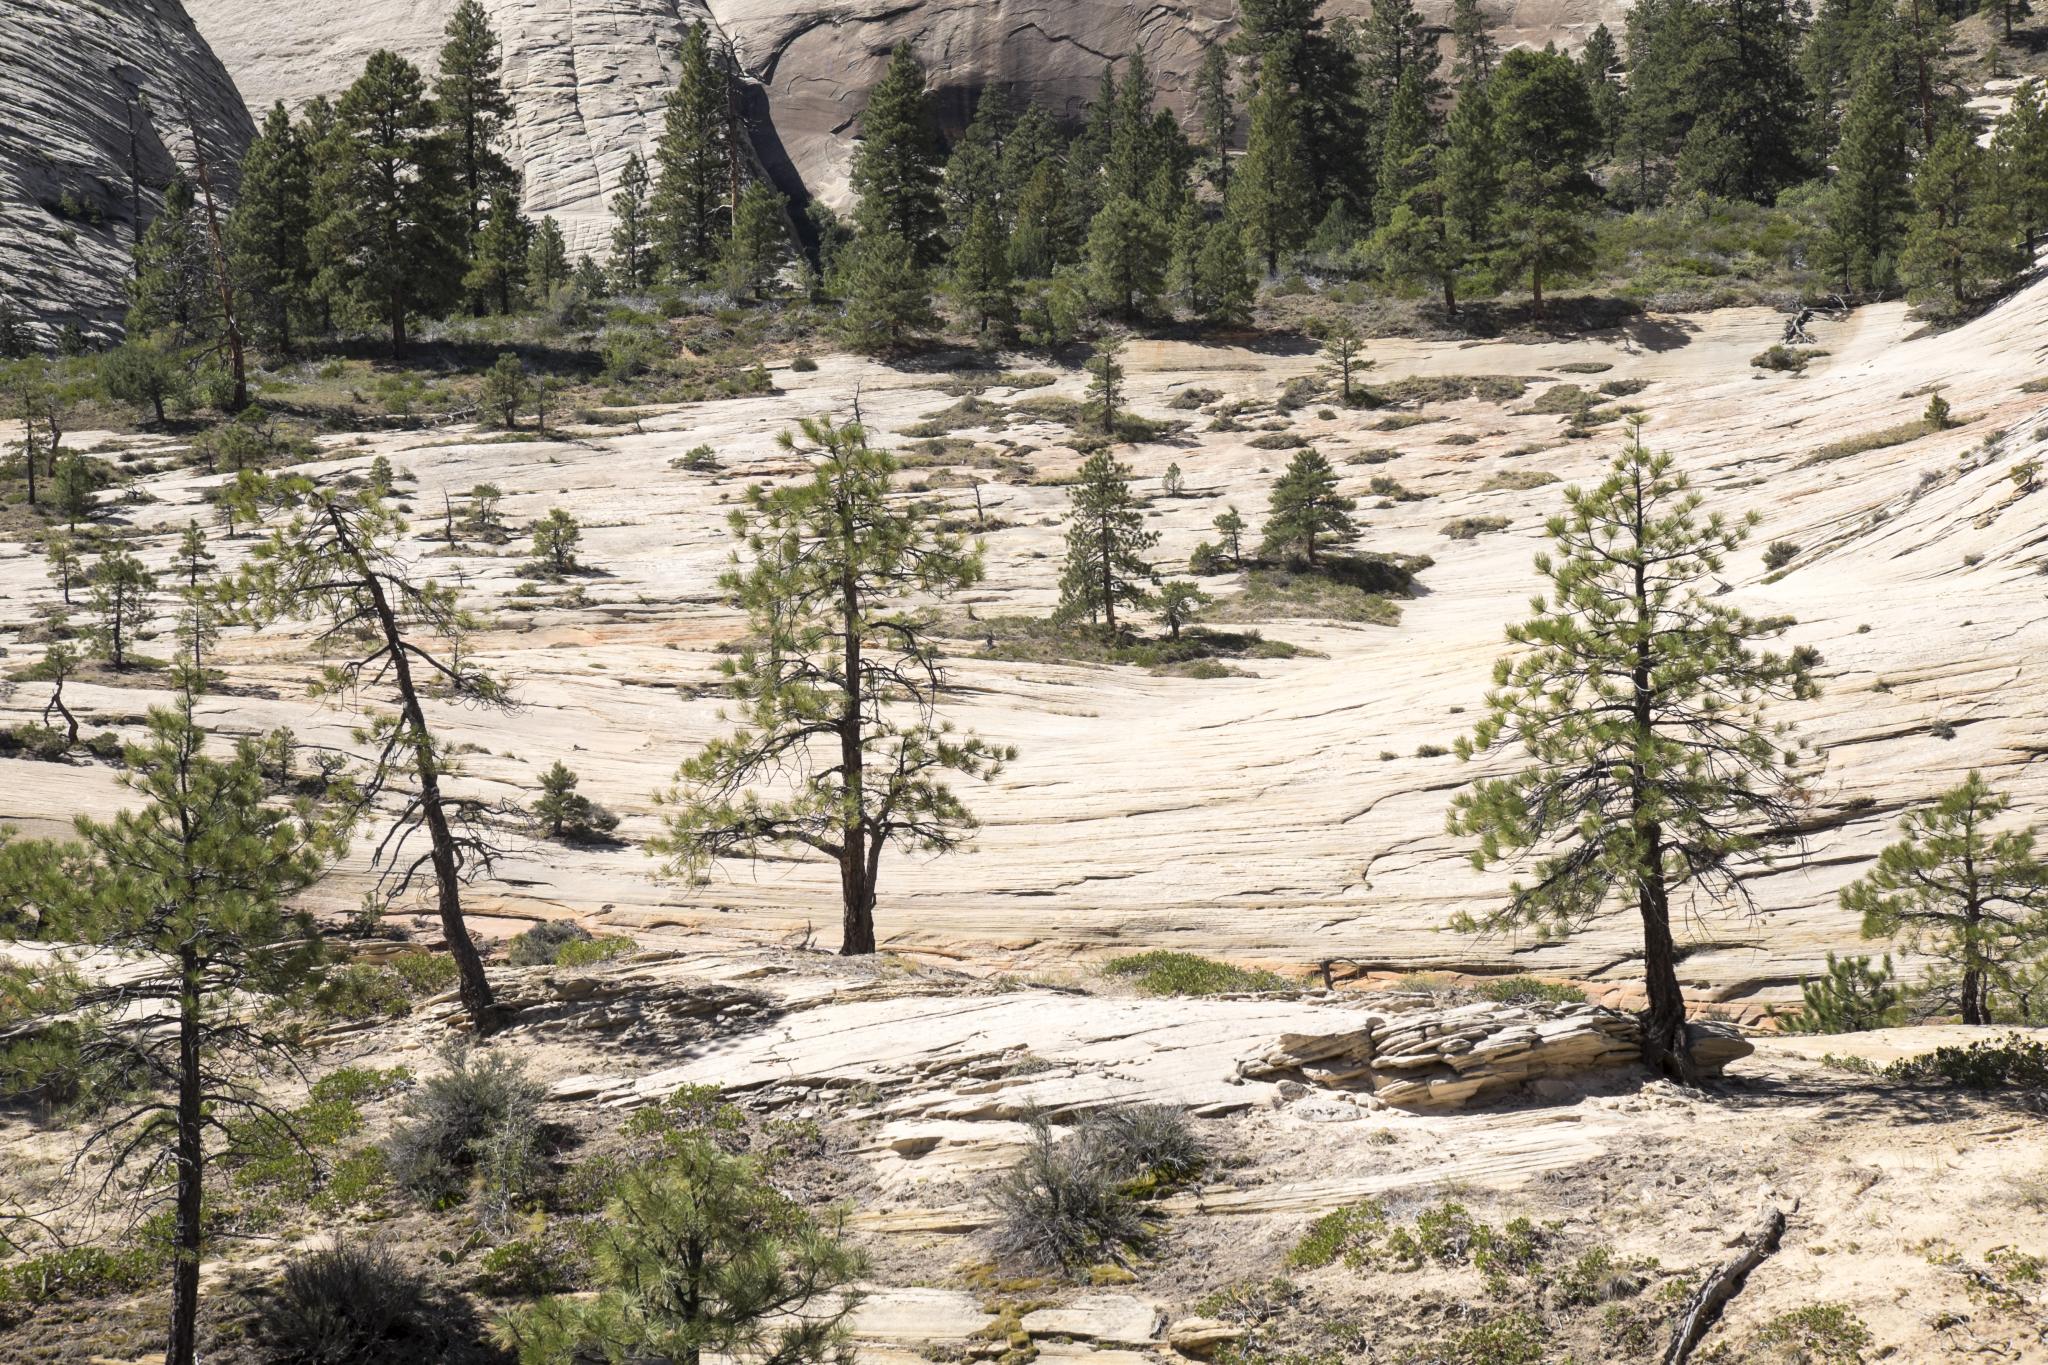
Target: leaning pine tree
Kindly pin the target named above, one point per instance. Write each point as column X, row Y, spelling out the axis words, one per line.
column 839, row 749
column 1639, row 705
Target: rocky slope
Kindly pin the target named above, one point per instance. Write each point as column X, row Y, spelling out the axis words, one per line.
column 94, row 95
column 1293, row 811
column 588, row 76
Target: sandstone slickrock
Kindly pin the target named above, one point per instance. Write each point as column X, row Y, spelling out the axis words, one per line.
column 94, row 97
column 587, row 77
column 1423, row 1058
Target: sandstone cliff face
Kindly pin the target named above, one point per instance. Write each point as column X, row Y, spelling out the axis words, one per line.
column 92, row 93
column 588, row 76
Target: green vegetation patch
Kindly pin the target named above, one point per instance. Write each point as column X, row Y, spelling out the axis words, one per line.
column 1449, row 388
column 1164, row 972
column 1880, row 439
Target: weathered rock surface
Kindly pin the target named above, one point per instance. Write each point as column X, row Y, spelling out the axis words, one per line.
column 1420, row 1057
column 93, row 92
column 588, row 76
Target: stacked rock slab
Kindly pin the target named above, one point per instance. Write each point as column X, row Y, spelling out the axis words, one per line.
column 1415, row 1055
column 98, row 97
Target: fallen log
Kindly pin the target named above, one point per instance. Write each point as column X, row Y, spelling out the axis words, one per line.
column 1703, row 1309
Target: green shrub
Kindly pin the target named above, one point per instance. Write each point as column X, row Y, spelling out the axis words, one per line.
column 1853, row 996
column 477, row 1123
column 1779, row 553
column 547, row 1260
column 82, row 1272
column 361, row 990
column 803, row 364
column 1818, row 1334
column 2011, row 1062
column 1529, row 990
column 1164, row 972
column 1350, row 1232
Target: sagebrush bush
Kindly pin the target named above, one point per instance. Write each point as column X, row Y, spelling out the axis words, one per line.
column 478, row 1121
column 537, row 947
column 1060, row 1208
column 353, row 1304
column 1153, row 1140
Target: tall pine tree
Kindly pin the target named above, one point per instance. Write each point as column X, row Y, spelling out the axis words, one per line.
column 1544, row 127
column 896, row 164
column 469, row 97
column 633, row 260
column 690, row 212
column 1867, row 204
column 266, row 233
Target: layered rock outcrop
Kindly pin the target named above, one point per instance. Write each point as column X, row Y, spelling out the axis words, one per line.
column 1415, row 1055
column 587, row 77
column 100, row 103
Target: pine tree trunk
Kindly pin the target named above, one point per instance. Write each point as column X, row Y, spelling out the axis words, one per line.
column 476, row 986
column 856, row 888
column 182, row 1347
column 1663, row 1022
column 1976, row 1007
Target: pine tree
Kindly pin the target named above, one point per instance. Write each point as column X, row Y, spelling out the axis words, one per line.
column 391, row 242
column 1656, row 99
column 1961, row 245
column 633, row 260
column 1475, row 52
column 1229, row 524
column 834, row 580
column 331, row 558
column 1106, row 544
column 1224, row 287
column 1469, row 174
column 146, row 371
column 1215, row 113
column 504, row 390
column 1600, row 63
column 1270, row 196
column 1179, row 602
column 498, row 265
column 698, row 1256
column 1868, row 202
column 689, row 212
column 1394, row 46
column 1126, row 253
column 896, row 163
column 1306, row 512
column 65, row 565
column 1638, row 701
column 1106, row 381
column 121, row 592
column 974, row 172
column 1543, row 125
column 1134, row 157
column 1344, row 349
column 1745, row 102
column 266, row 233
column 470, row 101
column 168, row 292
column 888, row 297
column 1407, row 149
column 1034, row 145
column 1288, row 44
column 759, row 233
column 1974, row 900
column 981, row 282
column 2020, row 148
column 547, row 258
column 1042, row 237
column 190, row 889
column 554, row 542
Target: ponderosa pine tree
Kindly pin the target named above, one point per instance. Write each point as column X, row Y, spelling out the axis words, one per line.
column 1474, row 51
column 633, row 259
column 1224, row 288
column 1408, row 149
column 266, row 232
column 753, row 253
column 1638, row 703
column 1105, row 394
column 547, row 258
column 1601, row 66
column 1230, row 526
column 1655, row 101
column 168, row 293
column 1271, row 196
column 839, row 747
column 1973, row 899
column 147, row 371
column 1215, row 113
column 1394, row 45
column 332, row 559
column 896, row 172
column 1961, row 244
column 1744, row 109
column 391, row 243
column 2019, row 147
column 1135, row 155
column 191, row 890
column 690, row 212
column 1106, row 544
column 499, row 261
column 974, row 171
column 121, row 591
column 1867, row 204
column 981, row 283
column 1042, row 235
column 1344, row 352
column 1127, row 253
column 1320, row 66
column 1306, row 513
column 888, row 295
column 1543, row 125
column 469, row 99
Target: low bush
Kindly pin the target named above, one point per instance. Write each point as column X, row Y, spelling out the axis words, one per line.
column 80, row 1272
column 1529, row 990
column 1779, row 553
column 2011, row 1062
column 1061, row 1208
column 361, row 990
column 1851, row 997
column 1471, row 528
column 1164, row 972
column 353, row 1304
column 563, row 943
column 1818, row 1334
column 1153, row 1142
column 475, row 1124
